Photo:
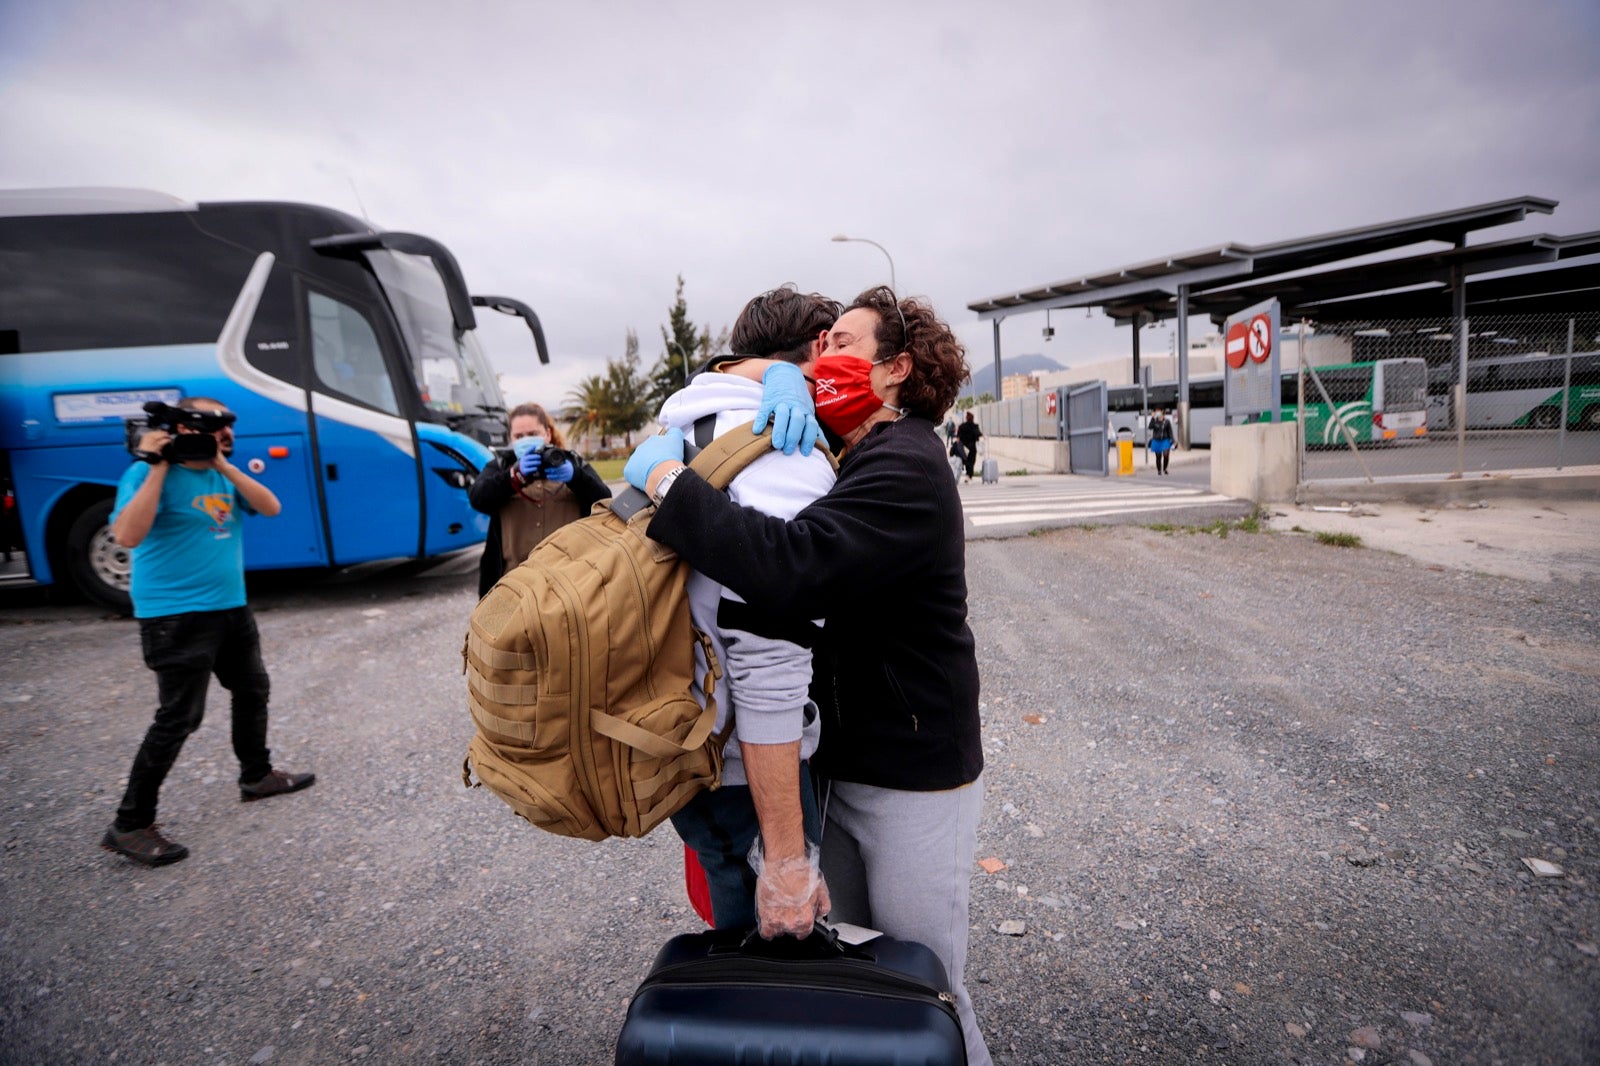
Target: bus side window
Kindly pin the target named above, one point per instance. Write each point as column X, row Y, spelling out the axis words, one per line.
column 1585, row 371
column 346, row 356
column 273, row 345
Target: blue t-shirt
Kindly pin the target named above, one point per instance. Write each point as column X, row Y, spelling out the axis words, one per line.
column 193, row 557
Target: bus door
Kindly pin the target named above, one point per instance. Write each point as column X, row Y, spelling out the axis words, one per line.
column 366, row 452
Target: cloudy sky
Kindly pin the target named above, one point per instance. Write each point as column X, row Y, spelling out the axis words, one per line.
column 581, row 156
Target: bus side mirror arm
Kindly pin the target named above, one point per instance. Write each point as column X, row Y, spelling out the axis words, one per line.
column 507, row 306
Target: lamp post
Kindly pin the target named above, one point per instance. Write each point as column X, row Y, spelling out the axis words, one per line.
column 886, row 255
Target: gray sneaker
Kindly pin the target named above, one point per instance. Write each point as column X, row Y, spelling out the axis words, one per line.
column 145, row 846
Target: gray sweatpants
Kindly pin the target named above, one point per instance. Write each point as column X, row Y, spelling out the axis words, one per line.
column 901, row 863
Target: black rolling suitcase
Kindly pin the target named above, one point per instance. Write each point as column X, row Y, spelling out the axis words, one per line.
column 729, row 997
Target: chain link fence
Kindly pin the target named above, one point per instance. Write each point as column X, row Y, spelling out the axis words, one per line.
column 1406, row 398
column 1426, row 398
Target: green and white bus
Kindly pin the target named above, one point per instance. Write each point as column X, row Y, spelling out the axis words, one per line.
column 1521, row 392
column 1379, row 402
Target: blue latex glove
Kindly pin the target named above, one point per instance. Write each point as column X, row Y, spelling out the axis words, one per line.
column 786, row 400
column 665, row 447
column 530, row 463
column 561, row 474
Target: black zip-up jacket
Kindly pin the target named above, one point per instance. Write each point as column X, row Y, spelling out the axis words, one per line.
column 883, row 558
column 493, row 489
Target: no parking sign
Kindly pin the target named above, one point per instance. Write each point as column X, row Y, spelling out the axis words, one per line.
column 1250, row 350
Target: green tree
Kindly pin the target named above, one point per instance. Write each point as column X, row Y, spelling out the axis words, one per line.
column 628, row 391
column 686, row 349
column 588, row 403
column 616, row 402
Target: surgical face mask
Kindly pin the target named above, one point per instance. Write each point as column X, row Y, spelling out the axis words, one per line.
column 845, row 397
column 523, row 445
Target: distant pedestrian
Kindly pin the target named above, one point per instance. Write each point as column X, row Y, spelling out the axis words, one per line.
column 968, row 433
column 1161, row 439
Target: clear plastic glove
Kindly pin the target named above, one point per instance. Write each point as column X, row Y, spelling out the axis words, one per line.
column 653, row 451
column 529, row 464
column 790, row 893
column 561, row 474
column 786, row 400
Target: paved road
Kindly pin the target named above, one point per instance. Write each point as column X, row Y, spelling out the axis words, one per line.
column 1016, row 505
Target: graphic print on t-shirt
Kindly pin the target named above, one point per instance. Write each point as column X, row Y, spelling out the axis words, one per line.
column 218, row 506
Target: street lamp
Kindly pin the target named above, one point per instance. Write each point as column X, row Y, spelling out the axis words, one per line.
column 886, row 255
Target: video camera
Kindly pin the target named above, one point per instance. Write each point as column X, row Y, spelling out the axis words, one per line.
column 197, row 447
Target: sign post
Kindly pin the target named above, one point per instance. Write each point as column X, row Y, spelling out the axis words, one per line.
column 1250, row 380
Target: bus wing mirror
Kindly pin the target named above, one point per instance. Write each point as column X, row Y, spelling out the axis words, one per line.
column 507, row 306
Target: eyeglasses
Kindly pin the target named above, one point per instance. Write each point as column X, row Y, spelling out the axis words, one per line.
column 905, row 331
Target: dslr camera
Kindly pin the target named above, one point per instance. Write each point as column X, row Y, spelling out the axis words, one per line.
column 196, row 447
column 549, row 457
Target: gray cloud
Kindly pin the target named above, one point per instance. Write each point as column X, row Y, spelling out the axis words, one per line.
column 581, row 156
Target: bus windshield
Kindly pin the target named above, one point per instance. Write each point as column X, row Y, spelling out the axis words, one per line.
column 452, row 373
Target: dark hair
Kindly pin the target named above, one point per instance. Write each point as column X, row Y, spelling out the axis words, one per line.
column 781, row 324
column 938, row 360
column 556, row 439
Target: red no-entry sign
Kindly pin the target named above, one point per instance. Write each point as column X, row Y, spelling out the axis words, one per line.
column 1238, row 344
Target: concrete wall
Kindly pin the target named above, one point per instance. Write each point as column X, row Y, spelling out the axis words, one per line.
column 1257, row 462
column 1033, row 456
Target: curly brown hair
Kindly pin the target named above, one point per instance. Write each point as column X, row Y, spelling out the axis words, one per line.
column 938, row 361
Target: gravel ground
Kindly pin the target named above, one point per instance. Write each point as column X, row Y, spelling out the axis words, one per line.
column 1259, row 800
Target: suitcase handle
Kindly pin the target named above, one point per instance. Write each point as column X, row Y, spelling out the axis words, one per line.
column 823, row 943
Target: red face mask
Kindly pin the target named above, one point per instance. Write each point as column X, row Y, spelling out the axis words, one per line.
column 844, row 392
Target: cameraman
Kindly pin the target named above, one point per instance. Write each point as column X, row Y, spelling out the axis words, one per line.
column 530, row 492
column 179, row 516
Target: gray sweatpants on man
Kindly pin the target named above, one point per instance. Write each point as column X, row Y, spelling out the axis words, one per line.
column 901, row 863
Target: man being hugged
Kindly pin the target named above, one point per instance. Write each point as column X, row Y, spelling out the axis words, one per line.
column 180, row 516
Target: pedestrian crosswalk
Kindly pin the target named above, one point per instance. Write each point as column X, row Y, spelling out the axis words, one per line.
column 1063, row 500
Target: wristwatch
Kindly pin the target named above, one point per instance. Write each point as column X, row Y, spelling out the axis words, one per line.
column 666, row 483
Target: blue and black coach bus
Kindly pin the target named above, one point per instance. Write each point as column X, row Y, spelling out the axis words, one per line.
column 365, row 401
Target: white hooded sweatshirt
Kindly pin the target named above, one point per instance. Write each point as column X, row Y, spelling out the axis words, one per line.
column 766, row 677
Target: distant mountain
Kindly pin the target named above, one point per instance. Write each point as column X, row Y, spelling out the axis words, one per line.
column 983, row 370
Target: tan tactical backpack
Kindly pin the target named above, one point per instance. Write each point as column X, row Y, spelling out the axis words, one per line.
column 580, row 664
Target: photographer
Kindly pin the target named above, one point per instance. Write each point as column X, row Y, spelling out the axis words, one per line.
column 176, row 509
column 529, row 492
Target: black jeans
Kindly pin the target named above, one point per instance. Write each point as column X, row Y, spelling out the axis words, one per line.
column 184, row 650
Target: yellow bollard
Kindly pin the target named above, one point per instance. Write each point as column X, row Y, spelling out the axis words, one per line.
column 1124, row 451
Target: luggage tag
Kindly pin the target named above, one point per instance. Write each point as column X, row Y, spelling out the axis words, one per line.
column 854, row 935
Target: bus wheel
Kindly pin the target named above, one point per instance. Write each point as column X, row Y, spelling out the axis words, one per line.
column 1590, row 419
column 1544, row 417
column 100, row 567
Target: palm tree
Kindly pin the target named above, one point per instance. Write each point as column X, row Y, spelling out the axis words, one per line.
column 590, row 401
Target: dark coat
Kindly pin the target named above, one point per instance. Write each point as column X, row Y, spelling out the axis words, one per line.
column 883, row 558
column 493, row 489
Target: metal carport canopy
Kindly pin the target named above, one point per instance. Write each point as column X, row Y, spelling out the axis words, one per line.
column 1232, row 262
column 1160, row 288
